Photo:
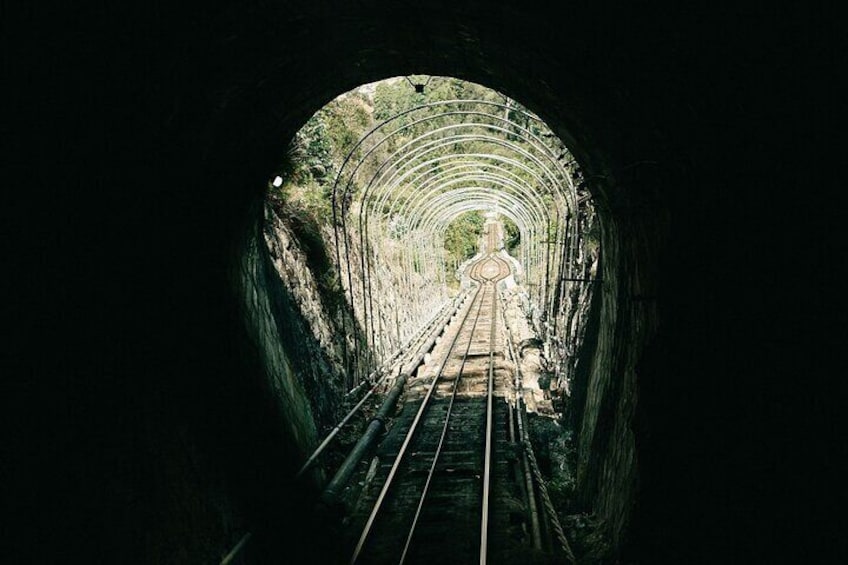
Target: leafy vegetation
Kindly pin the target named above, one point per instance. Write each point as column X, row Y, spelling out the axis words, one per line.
column 462, row 236
column 318, row 152
column 512, row 237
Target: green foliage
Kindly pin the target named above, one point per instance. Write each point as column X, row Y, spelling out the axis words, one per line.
column 512, row 237
column 317, row 152
column 315, row 155
column 553, row 445
column 462, row 236
column 312, row 150
column 347, row 119
column 392, row 98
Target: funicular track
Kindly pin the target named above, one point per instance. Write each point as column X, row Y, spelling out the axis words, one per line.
column 446, row 475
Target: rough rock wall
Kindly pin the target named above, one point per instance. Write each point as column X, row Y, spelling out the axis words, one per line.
column 566, row 345
column 607, row 478
column 305, row 325
column 267, row 313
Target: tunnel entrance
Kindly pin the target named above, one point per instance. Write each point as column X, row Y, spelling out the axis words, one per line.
column 390, row 181
column 167, row 393
column 389, row 200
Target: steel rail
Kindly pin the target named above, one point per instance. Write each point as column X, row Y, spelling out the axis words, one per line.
column 478, row 266
column 228, row 558
column 365, row 255
column 413, row 428
column 539, row 146
column 524, row 134
column 529, row 241
column 441, row 318
column 441, row 442
column 487, row 458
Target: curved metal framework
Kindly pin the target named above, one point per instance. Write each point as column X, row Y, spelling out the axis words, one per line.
column 409, row 177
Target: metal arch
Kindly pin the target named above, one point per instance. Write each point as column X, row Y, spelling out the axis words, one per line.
column 459, row 193
column 352, row 174
column 521, row 195
column 364, row 208
column 455, row 164
column 364, row 240
column 451, row 210
column 486, row 198
column 525, row 135
column 494, row 183
column 421, row 107
column 550, row 263
column 382, row 204
column 552, row 184
column 478, row 195
column 443, row 142
column 449, row 213
column 443, row 208
column 388, row 136
column 531, row 141
column 561, row 195
column 532, row 193
column 434, row 216
column 480, row 162
column 541, row 143
column 523, row 218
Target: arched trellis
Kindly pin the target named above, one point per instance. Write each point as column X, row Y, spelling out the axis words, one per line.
column 410, row 176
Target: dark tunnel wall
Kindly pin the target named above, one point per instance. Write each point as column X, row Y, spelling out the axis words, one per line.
column 148, row 132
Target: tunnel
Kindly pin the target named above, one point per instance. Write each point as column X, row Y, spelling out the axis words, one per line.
column 152, row 420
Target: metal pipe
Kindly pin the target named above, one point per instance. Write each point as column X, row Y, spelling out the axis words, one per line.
column 528, row 481
column 438, row 451
column 440, row 322
column 487, row 460
column 377, row 424
column 409, row 435
column 375, row 427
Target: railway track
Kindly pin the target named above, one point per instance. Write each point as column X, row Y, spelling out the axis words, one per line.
column 446, row 474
